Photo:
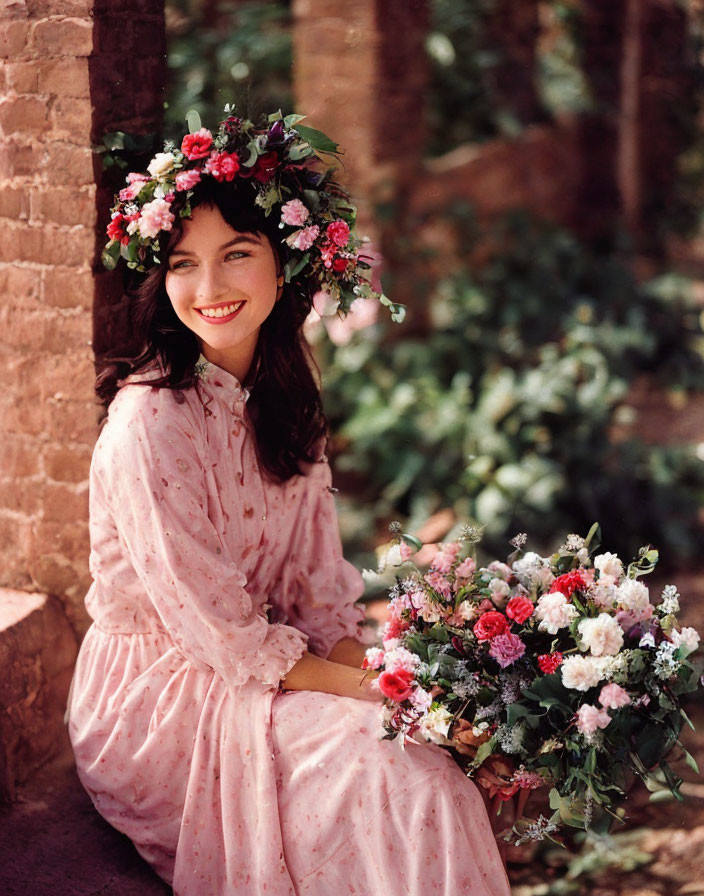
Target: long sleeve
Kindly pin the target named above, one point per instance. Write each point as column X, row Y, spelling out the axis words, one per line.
column 319, row 587
column 154, row 481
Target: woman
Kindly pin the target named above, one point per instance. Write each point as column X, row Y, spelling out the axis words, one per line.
column 219, row 714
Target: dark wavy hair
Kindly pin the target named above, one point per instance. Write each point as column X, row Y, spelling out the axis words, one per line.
column 285, row 404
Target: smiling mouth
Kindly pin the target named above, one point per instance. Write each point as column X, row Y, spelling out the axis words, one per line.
column 221, row 313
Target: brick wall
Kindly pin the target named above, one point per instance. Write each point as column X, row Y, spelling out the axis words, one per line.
column 70, row 71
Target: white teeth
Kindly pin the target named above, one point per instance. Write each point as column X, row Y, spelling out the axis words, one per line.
column 220, row 312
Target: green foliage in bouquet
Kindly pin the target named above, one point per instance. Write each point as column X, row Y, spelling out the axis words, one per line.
column 506, row 408
column 549, row 673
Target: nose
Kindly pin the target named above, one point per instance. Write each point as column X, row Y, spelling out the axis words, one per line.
column 211, row 284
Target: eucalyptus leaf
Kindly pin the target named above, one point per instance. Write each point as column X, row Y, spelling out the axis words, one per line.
column 193, row 121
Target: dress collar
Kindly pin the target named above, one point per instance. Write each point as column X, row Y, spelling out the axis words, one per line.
column 218, row 379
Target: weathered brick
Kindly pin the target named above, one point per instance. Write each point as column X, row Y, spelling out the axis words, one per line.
column 52, row 37
column 41, row 8
column 24, row 496
column 70, row 164
column 47, row 245
column 69, row 288
column 19, row 456
column 71, row 373
column 64, row 77
column 71, row 421
column 14, row 203
column 63, row 205
column 21, row 416
column 23, row 115
column 65, row 502
column 69, row 538
column 21, row 77
column 20, row 158
column 71, row 120
column 24, row 283
column 67, row 463
column 13, row 38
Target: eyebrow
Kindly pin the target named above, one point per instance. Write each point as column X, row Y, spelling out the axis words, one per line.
column 238, row 239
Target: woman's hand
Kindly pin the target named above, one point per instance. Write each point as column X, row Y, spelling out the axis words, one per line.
column 348, row 652
column 311, row 673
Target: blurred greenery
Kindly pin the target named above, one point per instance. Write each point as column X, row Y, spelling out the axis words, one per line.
column 504, row 409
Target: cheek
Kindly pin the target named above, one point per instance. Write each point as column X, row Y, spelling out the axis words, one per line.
column 177, row 292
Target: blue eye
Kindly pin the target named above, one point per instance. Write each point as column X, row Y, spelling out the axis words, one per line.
column 236, row 252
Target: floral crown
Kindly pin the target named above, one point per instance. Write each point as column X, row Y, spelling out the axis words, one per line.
column 280, row 159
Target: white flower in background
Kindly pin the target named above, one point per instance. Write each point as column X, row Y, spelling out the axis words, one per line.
column 436, row 724
column 665, row 665
column 582, row 556
column 499, row 588
column 610, row 568
column 573, row 543
column 670, row 601
column 500, row 570
column 554, row 612
column 633, row 595
column 648, row 640
column 579, row 673
column 602, row 636
column 604, row 596
column 533, row 569
column 687, row 637
column 161, row 164
column 468, row 610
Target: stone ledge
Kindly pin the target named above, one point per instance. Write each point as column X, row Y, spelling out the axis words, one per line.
column 37, row 653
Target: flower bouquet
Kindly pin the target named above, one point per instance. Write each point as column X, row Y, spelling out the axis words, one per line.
column 556, row 673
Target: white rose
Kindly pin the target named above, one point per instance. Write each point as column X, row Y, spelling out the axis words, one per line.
column 603, row 636
column 554, row 612
column 687, row 637
column 610, row 568
column 435, row 725
column 162, row 163
column 499, row 588
column 581, row 672
column 633, row 595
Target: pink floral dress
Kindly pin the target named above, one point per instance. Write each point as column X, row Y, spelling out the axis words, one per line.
column 209, row 582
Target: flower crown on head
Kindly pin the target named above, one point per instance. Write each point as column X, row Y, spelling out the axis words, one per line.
column 280, row 161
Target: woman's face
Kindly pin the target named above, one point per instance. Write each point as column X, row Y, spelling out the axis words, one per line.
column 222, row 285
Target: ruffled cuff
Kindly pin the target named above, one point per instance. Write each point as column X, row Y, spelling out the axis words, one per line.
column 283, row 647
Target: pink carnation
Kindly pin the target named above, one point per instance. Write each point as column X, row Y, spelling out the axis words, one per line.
column 135, row 177
column 466, row 569
column 294, row 213
column 156, row 215
column 613, row 696
column 222, row 165
column 439, row 582
column 304, row 239
column 131, row 191
column 442, row 562
column 187, row 179
column 589, row 718
column 506, row 649
column 338, row 233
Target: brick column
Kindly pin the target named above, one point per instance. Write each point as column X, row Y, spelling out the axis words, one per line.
column 70, row 70
column 360, row 74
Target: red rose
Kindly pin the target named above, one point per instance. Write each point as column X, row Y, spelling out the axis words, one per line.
column 265, row 167
column 397, row 686
column 549, row 662
column 197, row 146
column 490, row 625
column 568, row 583
column 339, row 265
column 338, row 233
column 116, row 229
column 519, row 609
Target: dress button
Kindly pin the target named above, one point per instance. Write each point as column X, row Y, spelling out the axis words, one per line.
column 238, row 407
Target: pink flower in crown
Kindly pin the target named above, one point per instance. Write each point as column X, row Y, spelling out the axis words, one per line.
column 303, row 239
column 294, row 213
column 405, row 550
column 527, row 780
column 421, row 699
column 466, row 569
column 338, row 233
column 589, row 718
column 506, row 649
column 130, row 192
column 222, row 165
column 186, row 180
column 197, row 146
column 439, row 582
column 135, row 177
column 156, row 215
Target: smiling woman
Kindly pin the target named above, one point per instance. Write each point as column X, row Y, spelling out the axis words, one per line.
column 219, row 713
column 223, row 289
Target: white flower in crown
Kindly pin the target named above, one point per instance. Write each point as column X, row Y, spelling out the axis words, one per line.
column 161, row 164
column 603, row 636
column 610, row 568
column 580, row 673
